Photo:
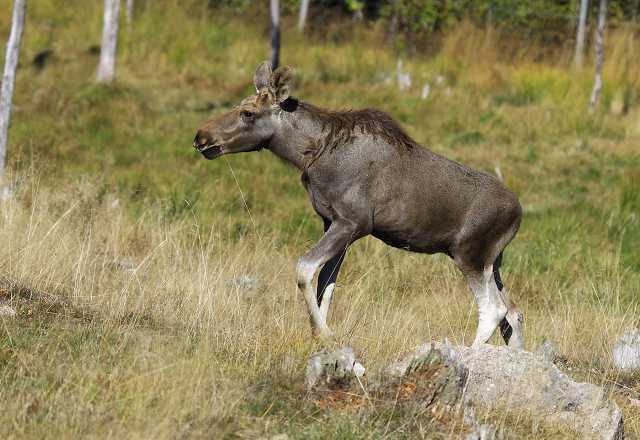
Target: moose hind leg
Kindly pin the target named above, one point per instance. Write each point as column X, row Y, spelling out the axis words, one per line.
column 491, row 308
column 511, row 324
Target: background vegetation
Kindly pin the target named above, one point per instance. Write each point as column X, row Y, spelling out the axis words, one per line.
column 128, row 256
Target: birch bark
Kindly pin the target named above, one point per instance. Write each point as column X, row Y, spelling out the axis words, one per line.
column 9, row 77
column 275, row 34
column 107, row 65
column 597, row 83
column 581, row 32
column 302, row 18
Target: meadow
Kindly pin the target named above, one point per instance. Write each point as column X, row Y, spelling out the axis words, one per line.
column 127, row 255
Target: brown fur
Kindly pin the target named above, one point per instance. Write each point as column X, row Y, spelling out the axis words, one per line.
column 370, row 178
column 341, row 127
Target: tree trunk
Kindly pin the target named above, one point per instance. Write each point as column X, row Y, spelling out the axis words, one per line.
column 602, row 22
column 9, row 77
column 129, row 11
column 302, row 19
column 581, row 32
column 490, row 13
column 275, row 34
column 393, row 25
column 107, row 66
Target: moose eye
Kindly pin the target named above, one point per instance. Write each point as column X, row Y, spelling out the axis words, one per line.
column 246, row 114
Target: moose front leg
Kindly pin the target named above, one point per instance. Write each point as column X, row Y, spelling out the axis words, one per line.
column 334, row 242
column 327, row 279
column 327, row 283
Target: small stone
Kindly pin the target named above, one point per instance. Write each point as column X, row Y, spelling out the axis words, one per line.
column 5, row 193
column 626, row 353
column 244, row 282
column 425, row 91
column 404, row 79
column 483, row 432
column 358, row 369
column 125, row 265
column 335, row 368
column 6, row 310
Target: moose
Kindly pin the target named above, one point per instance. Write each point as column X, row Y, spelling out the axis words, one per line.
column 366, row 176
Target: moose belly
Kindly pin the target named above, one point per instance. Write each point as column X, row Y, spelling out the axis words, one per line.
column 415, row 241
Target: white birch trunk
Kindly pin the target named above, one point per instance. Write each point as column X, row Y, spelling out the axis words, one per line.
column 302, row 19
column 107, row 66
column 602, row 22
column 581, row 32
column 275, row 34
column 9, row 78
column 129, row 11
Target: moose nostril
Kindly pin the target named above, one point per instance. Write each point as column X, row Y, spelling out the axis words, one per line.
column 200, row 141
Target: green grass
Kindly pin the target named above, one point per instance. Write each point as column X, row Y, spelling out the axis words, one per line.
column 106, row 174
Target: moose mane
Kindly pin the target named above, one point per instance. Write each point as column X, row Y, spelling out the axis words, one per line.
column 342, row 127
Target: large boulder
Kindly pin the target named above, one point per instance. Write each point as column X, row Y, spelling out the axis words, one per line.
column 506, row 379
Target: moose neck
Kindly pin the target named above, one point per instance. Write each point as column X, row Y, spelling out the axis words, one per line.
column 296, row 131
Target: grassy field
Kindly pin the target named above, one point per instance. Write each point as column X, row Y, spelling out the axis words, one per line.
column 124, row 251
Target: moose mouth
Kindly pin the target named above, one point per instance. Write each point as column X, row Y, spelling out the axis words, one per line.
column 211, row 151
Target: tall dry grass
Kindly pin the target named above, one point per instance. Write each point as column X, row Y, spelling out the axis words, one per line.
column 138, row 325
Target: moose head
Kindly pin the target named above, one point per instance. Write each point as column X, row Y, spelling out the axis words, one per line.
column 250, row 125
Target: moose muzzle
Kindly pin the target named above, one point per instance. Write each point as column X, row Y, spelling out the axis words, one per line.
column 206, row 145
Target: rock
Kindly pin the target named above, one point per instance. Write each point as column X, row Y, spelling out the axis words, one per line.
column 547, row 352
column 483, row 432
column 124, row 265
column 503, row 378
column 626, row 353
column 426, row 89
column 244, row 282
column 7, row 310
column 479, row 431
column 446, row 379
column 404, row 79
column 5, row 193
column 331, row 369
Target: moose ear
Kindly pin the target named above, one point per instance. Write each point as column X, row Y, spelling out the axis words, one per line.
column 281, row 83
column 262, row 76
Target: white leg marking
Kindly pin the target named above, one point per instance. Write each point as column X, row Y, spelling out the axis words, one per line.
column 305, row 271
column 491, row 308
column 327, row 296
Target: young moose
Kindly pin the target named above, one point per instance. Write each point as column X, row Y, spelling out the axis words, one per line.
column 364, row 176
